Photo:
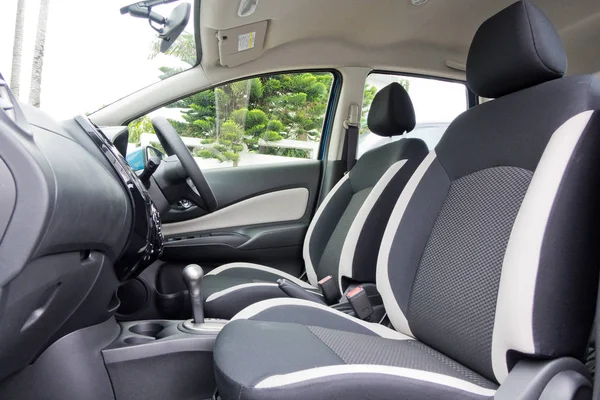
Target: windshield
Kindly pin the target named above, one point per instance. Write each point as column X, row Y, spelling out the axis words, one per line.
column 87, row 56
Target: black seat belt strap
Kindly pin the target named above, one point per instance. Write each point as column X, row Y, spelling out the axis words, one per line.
column 352, row 128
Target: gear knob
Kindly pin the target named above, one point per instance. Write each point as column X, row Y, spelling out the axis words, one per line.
column 192, row 277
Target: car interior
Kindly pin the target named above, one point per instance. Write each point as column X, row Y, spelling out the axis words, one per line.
column 336, row 200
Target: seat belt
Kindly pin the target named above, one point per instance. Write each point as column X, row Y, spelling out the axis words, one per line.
column 351, row 126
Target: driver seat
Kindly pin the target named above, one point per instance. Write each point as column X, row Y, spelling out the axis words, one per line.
column 347, row 227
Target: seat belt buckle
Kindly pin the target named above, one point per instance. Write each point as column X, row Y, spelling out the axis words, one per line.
column 329, row 290
column 359, row 300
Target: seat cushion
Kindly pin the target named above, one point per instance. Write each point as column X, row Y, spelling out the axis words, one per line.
column 293, row 361
column 306, row 312
column 231, row 287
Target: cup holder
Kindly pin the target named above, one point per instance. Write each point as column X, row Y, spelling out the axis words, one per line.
column 150, row 329
column 135, row 340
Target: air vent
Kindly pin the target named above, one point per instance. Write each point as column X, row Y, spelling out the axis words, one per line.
column 5, row 100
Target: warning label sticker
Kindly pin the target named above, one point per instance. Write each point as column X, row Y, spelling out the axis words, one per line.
column 246, row 41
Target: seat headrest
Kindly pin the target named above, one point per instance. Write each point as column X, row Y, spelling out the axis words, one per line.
column 392, row 112
column 513, row 50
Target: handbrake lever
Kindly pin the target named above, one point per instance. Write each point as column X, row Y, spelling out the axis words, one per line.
column 295, row 291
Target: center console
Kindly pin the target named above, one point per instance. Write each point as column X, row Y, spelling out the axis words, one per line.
column 160, row 359
column 135, row 360
column 165, row 359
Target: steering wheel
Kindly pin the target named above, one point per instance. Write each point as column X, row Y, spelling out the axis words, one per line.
column 173, row 144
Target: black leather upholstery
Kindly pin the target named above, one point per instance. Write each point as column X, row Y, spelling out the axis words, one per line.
column 515, row 49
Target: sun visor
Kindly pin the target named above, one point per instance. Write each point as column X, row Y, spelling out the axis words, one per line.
column 241, row 44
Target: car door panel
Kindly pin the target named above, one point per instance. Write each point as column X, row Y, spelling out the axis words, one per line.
column 231, row 185
column 276, row 206
column 278, row 245
column 266, row 214
column 275, row 244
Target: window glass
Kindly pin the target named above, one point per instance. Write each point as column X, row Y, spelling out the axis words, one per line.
column 436, row 104
column 72, row 57
column 269, row 119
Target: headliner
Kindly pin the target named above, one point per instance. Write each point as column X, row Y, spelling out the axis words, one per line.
column 387, row 33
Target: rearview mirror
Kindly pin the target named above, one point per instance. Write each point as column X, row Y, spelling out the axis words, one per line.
column 174, row 25
column 169, row 28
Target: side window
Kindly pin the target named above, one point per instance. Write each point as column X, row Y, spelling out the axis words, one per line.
column 436, row 104
column 269, row 119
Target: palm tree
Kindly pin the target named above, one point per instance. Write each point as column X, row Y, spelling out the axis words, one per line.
column 15, row 72
column 38, row 55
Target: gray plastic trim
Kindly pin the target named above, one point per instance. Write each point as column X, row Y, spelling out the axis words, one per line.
column 567, row 385
column 251, row 237
column 166, row 364
column 168, row 339
column 72, row 368
column 226, row 239
column 8, row 198
column 529, row 379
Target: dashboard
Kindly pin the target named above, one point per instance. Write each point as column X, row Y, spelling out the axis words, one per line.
column 75, row 223
column 146, row 242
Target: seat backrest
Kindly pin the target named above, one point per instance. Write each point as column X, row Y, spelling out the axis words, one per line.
column 490, row 254
column 347, row 227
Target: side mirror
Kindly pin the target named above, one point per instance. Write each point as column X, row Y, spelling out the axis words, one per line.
column 138, row 158
column 150, row 151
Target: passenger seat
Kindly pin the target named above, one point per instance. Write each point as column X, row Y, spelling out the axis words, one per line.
column 488, row 268
column 348, row 226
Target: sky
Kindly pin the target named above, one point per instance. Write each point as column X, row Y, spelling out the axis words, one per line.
column 93, row 55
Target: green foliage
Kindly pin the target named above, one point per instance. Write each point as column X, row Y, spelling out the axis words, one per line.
column 239, row 116
column 255, row 118
column 294, row 100
column 294, row 153
column 231, row 141
column 275, row 125
column 232, row 156
column 139, row 126
column 256, row 89
column 204, row 153
column 271, row 136
column 233, row 117
column 184, row 48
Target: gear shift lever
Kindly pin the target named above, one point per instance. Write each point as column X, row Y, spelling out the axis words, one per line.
column 192, row 277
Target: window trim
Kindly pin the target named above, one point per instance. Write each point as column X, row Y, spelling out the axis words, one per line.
column 332, row 102
column 470, row 98
column 334, row 97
